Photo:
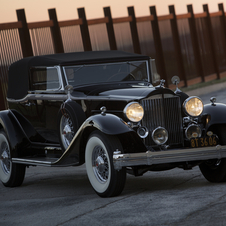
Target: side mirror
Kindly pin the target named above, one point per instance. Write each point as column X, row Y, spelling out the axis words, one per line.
column 176, row 80
column 155, row 77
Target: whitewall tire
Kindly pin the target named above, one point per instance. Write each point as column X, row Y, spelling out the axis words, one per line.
column 11, row 174
column 105, row 180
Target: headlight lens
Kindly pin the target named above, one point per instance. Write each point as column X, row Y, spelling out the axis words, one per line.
column 160, row 135
column 193, row 106
column 193, row 131
column 134, row 112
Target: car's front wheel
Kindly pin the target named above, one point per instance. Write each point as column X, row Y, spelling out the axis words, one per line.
column 105, row 180
column 215, row 170
column 11, row 174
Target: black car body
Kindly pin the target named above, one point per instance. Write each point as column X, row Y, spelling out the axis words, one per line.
column 100, row 108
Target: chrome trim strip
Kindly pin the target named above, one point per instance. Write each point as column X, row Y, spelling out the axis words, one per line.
column 170, row 156
column 62, row 97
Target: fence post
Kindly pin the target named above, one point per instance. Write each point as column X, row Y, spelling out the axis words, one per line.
column 84, row 30
column 110, row 29
column 55, row 31
column 25, row 39
column 133, row 29
column 158, row 46
column 223, row 24
column 195, row 43
column 210, row 34
column 177, row 46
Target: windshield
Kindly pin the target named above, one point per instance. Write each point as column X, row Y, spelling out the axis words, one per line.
column 110, row 72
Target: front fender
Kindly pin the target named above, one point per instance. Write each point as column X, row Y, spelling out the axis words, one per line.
column 13, row 130
column 106, row 123
column 217, row 114
column 109, row 124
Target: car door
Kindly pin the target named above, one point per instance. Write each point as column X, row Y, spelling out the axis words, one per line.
column 45, row 84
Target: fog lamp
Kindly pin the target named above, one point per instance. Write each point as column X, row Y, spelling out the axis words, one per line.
column 142, row 132
column 160, row 135
column 193, row 131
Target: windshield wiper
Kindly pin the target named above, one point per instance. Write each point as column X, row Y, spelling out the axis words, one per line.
column 135, row 65
column 75, row 71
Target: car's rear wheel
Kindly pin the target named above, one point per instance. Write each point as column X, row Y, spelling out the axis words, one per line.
column 105, row 180
column 214, row 170
column 11, row 174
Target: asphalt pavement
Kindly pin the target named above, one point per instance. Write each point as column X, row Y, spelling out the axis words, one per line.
column 63, row 196
column 217, row 90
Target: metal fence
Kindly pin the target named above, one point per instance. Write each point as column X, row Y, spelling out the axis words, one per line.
column 190, row 45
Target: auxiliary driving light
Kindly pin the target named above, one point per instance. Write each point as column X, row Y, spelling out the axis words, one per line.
column 142, row 132
column 160, row 135
column 193, row 131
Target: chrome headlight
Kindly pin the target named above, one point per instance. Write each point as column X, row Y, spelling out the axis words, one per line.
column 160, row 135
column 193, row 131
column 193, row 106
column 134, row 112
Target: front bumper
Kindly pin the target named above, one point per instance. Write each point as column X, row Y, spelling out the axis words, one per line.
column 168, row 156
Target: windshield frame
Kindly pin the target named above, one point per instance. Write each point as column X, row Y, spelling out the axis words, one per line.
column 130, row 63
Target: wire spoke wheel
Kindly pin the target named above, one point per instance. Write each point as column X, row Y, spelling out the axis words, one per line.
column 100, row 164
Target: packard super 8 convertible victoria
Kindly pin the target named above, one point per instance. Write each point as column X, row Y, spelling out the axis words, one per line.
column 101, row 109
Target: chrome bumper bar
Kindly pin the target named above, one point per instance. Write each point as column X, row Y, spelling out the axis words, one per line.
column 168, row 156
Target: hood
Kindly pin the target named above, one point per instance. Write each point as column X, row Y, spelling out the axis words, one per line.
column 123, row 91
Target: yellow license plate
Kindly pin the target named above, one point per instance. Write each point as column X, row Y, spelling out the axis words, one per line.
column 204, row 141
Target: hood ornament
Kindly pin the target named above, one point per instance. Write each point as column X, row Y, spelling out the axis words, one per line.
column 161, row 84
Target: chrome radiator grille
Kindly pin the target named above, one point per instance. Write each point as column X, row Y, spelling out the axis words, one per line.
column 163, row 111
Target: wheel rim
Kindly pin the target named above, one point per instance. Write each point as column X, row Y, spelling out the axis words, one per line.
column 213, row 164
column 5, row 160
column 98, row 164
column 66, row 130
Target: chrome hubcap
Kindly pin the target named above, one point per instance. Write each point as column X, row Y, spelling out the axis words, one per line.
column 100, row 164
column 67, row 130
column 5, row 158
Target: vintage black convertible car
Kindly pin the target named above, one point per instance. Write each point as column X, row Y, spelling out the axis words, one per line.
column 101, row 109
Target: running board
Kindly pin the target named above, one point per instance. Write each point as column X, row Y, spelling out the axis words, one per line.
column 44, row 161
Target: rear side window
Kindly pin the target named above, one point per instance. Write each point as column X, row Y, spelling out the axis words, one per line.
column 44, row 79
